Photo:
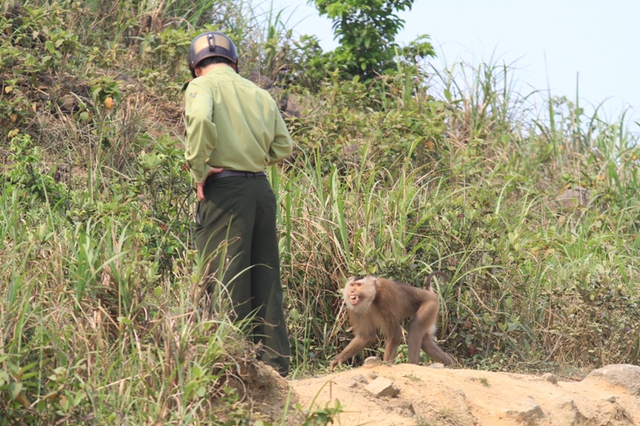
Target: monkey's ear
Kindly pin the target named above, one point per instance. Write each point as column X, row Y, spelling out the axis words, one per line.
column 376, row 284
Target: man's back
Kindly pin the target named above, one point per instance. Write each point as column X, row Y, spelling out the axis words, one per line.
column 233, row 124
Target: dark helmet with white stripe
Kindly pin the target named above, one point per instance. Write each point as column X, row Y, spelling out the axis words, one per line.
column 210, row 44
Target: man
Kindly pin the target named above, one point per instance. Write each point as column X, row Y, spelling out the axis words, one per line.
column 234, row 131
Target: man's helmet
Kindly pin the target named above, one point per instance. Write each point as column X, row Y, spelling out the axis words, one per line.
column 210, row 44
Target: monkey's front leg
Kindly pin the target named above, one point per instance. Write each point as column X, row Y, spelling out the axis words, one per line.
column 356, row 345
column 393, row 338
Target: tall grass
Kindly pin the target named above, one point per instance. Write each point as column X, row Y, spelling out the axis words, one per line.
column 90, row 329
column 529, row 282
column 103, row 316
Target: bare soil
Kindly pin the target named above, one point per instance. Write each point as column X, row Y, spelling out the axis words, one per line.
column 443, row 396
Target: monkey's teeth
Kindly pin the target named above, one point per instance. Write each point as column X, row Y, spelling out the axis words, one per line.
column 354, row 300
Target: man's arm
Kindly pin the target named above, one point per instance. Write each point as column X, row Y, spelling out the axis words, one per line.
column 282, row 145
column 202, row 134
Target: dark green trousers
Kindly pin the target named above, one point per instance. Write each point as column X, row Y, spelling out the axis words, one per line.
column 236, row 233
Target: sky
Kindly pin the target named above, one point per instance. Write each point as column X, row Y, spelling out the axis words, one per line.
column 584, row 48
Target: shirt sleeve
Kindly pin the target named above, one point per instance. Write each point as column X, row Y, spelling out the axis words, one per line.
column 202, row 135
column 282, row 145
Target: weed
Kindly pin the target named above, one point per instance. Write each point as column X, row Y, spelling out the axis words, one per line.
column 483, row 380
column 413, row 377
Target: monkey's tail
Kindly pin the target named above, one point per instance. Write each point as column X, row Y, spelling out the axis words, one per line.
column 427, row 281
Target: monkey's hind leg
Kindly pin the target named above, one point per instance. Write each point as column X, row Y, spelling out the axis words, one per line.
column 415, row 335
column 431, row 348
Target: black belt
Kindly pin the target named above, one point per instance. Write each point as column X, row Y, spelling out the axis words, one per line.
column 234, row 173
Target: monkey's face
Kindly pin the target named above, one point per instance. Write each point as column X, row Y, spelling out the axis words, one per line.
column 359, row 291
column 355, row 292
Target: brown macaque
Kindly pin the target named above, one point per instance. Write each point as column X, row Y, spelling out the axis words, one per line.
column 375, row 303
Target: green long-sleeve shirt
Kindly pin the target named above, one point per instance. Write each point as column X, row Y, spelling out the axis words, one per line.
column 233, row 124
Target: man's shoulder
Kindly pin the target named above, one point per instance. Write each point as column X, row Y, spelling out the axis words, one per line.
column 223, row 81
column 198, row 83
column 250, row 85
column 247, row 82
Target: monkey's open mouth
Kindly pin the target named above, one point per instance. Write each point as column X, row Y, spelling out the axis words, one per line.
column 355, row 299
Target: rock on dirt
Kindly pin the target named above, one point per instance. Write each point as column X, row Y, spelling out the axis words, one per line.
column 417, row 395
column 622, row 375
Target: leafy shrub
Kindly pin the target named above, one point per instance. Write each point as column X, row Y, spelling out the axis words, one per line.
column 366, row 31
column 26, row 171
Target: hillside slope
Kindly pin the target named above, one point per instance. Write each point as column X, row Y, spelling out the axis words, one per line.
column 438, row 396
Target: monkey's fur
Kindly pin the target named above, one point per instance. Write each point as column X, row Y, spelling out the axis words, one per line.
column 375, row 303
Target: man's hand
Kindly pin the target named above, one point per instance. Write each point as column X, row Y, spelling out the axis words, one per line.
column 200, row 186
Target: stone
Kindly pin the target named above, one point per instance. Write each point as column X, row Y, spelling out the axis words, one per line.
column 346, row 382
column 402, row 407
column 569, row 414
column 574, row 197
column 528, row 412
column 371, row 362
column 382, row 387
column 360, row 379
column 624, row 375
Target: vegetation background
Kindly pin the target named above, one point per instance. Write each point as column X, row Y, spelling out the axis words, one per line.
column 398, row 170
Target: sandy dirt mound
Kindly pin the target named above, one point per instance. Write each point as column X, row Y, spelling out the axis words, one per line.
column 408, row 394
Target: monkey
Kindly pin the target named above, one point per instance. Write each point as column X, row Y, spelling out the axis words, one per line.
column 375, row 303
